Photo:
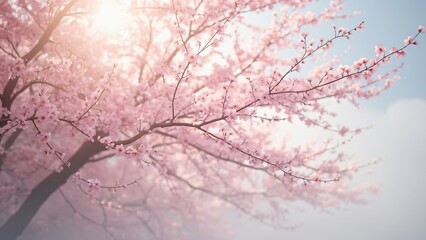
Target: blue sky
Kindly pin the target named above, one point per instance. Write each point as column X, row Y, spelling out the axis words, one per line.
column 398, row 137
column 388, row 22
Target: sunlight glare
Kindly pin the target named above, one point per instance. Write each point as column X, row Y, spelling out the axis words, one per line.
column 112, row 17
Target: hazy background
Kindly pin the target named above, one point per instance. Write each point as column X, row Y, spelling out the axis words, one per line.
column 398, row 136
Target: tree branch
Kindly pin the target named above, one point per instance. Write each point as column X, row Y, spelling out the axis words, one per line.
column 16, row 224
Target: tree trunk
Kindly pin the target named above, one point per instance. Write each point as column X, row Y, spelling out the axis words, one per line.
column 17, row 223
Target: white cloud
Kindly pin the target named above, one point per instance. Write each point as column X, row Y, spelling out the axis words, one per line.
column 397, row 212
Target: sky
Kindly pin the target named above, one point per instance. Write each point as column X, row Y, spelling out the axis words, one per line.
column 397, row 136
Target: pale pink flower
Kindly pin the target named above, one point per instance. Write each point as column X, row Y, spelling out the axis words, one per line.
column 408, row 40
column 380, row 50
column 43, row 137
column 76, row 176
column 343, row 131
column 420, row 28
column 344, row 69
column 94, row 184
column 18, row 67
column 361, row 26
column 106, row 140
column 399, row 53
column 59, row 167
column 388, row 83
column 120, row 149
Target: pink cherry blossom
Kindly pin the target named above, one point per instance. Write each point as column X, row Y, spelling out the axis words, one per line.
column 408, row 40
column 120, row 149
column 343, row 131
column 169, row 108
column 380, row 50
column 94, row 185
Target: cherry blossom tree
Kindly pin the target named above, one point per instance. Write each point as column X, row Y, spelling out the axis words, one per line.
column 124, row 118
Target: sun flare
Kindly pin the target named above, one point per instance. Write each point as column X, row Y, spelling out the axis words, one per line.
column 112, row 17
